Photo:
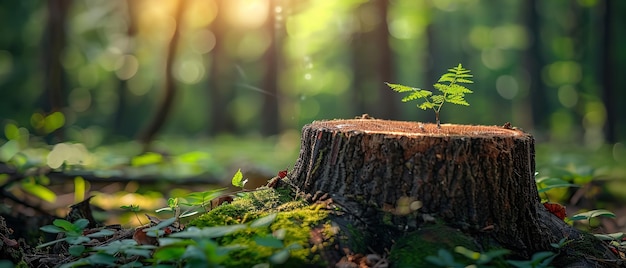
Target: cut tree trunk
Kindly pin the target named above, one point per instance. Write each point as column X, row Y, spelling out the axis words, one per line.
column 479, row 179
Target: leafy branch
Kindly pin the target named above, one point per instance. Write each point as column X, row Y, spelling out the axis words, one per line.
column 452, row 92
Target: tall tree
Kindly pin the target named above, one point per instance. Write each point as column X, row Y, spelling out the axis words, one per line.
column 607, row 68
column 169, row 90
column 373, row 61
column 55, row 41
column 270, row 114
column 221, row 76
column 533, row 62
column 122, row 87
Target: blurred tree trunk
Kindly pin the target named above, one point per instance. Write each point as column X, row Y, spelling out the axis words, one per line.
column 533, row 62
column 387, row 103
column 270, row 116
column 169, row 91
column 373, row 62
column 122, row 87
column 221, row 78
column 54, row 43
column 607, row 68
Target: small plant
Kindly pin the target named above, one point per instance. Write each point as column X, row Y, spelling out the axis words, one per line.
column 238, row 180
column 73, row 234
column 452, row 92
column 135, row 209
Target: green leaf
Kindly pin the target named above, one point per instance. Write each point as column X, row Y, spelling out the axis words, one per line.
column 400, row 88
column 65, row 225
column 80, row 224
column 546, row 183
column 610, row 237
column 463, row 80
column 188, row 214
column 76, row 250
column 101, row 233
column 75, row 240
column 201, row 198
column 209, row 232
column 426, row 105
column 169, row 253
column 269, row 241
column 457, row 99
column 441, row 87
column 438, row 99
column 280, row 257
column 592, row 214
column 458, row 89
column 237, row 180
column 161, row 225
column 417, row 95
column 138, row 252
column 51, row 229
column 448, row 77
column 264, row 222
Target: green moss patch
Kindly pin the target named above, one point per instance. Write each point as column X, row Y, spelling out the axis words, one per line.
column 288, row 236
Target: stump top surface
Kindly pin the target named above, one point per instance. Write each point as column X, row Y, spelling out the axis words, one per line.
column 415, row 128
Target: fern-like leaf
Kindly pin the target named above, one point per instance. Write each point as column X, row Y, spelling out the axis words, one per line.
column 426, row 105
column 417, row 94
column 456, row 88
column 438, row 99
column 463, row 80
column 457, row 99
column 441, row 87
column 401, row 88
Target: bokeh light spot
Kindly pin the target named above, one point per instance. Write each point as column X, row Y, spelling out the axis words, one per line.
column 562, row 72
column 507, row 86
column 253, row 45
column 190, row 72
column 203, row 42
column 492, row 58
column 568, row 96
column 88, row 76
column 126, row 67
column 79, row 99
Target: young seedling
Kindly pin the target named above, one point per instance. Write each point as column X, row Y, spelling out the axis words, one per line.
column 135, row 209
column 452, row 92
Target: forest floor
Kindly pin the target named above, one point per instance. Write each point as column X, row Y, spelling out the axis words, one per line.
column 24, row 212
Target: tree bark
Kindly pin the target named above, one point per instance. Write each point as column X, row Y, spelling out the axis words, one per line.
column 479, row 179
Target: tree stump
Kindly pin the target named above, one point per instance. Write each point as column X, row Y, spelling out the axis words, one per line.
column 479, row 179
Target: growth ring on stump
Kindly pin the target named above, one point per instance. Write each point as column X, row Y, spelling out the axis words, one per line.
column 473, row 177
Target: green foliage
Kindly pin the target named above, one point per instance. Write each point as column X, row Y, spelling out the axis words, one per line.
column 238, row 180
column 135, row 209
column 445, row 259
column 452, row 92
column 540, row 259
column 592, row 214
column 73, row 232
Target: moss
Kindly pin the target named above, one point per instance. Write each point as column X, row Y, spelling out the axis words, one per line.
column 295, row 219
column 412, row 249
column 248, row 207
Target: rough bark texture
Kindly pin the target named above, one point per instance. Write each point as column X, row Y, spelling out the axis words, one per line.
column 479, row 179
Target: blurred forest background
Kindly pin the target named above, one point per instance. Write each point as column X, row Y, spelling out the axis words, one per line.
column 119, row 70
column 199, row 88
